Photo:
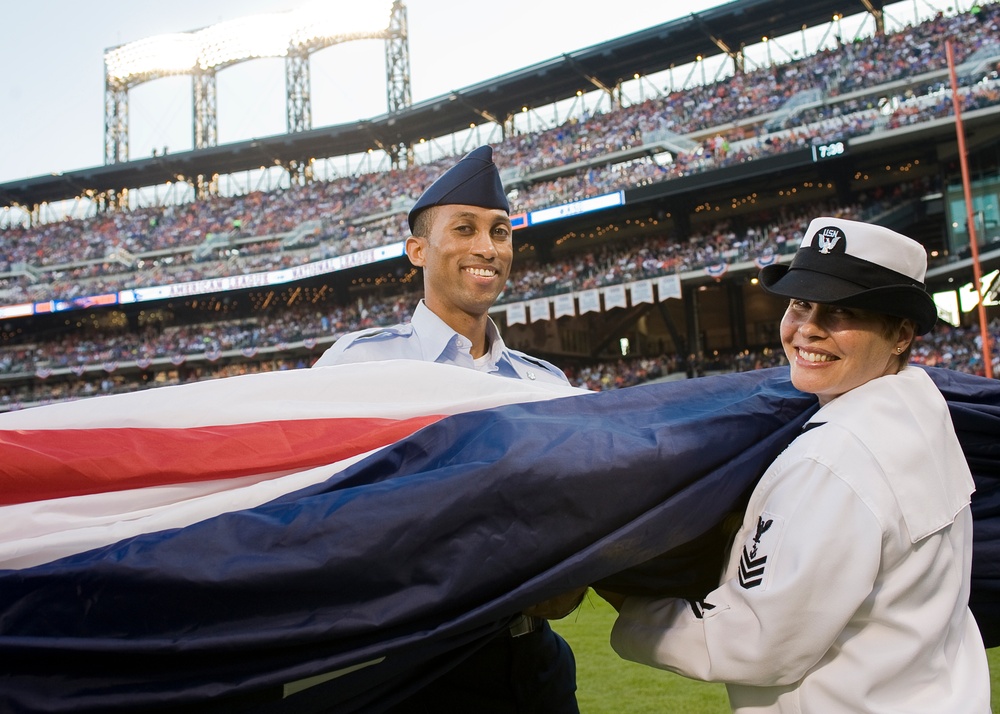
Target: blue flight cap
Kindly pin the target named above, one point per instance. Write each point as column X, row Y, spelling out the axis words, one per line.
column 473, row 181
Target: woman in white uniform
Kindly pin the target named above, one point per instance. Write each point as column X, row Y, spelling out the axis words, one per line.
column 848, row 583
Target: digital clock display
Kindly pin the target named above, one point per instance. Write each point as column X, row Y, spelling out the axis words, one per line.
column 828, row 151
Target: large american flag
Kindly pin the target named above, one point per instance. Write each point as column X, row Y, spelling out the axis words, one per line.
column 316, row 539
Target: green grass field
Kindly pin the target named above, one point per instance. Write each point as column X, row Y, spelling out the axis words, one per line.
column 608, row 684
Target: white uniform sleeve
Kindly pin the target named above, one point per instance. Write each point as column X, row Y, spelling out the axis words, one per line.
column 797, row 575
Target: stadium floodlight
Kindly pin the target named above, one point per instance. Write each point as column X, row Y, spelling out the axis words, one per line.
column 325, row 23
column 312, row 26
column 153, row 56
column 293, row 35
column 246, row 38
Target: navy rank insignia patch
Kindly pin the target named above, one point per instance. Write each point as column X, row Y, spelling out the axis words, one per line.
column 700, row 607
column 753, row 559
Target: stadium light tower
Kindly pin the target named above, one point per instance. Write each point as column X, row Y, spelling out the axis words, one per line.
column 397, row 72
column 129, row 65
column 294, row 35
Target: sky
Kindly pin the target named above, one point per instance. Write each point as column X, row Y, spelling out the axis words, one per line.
column 52, row 94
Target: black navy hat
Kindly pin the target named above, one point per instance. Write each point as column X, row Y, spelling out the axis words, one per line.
column 854, row 264
column 473, row 181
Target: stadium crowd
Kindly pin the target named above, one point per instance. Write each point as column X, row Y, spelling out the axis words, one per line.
column 726, row 122
column 126, row 265
column 612, row 263
column 945, row 347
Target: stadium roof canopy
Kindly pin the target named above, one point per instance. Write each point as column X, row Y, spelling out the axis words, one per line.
column 654, row 49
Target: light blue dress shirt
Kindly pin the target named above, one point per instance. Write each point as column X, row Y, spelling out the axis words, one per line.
column 427, row 338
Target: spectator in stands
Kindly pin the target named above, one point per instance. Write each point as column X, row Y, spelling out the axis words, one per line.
column 848, row 584
column 462, row 238
column 154, row 246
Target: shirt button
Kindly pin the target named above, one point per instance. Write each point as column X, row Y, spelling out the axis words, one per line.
column 531, row 375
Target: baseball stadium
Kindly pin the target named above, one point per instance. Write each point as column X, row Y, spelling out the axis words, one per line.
column 650, row 179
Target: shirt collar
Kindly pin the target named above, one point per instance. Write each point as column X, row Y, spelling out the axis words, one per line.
column 903, row 421
column 440, row 343
column 498, row 349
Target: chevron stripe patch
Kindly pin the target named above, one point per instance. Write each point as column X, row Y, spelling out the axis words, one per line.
column 700, row 607
column 751, row 573
column 751, row 570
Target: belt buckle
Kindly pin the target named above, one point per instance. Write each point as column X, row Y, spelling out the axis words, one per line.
column 523, row 625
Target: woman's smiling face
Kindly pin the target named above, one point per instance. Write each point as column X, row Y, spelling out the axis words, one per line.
column 834, row 349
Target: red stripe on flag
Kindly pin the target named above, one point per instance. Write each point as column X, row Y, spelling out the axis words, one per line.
column 43, row 464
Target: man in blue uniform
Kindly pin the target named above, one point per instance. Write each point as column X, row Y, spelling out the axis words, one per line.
column 462, row 239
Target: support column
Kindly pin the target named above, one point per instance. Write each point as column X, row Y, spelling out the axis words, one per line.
column 206, row 132
column 115, row 121
column 692, row 360
column 737, row 315
column 298, row 99
column 397, row 77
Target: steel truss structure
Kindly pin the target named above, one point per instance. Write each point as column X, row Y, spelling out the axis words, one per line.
column 118, row 82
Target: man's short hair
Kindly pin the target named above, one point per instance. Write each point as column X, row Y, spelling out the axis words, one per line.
column 422, row 222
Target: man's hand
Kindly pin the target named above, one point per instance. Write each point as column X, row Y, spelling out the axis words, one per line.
column 557, row 607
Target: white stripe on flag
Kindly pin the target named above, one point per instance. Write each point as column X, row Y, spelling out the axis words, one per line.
column 393, row 389
column 44, row 530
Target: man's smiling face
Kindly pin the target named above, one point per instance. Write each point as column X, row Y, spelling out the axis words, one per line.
column 466, row 257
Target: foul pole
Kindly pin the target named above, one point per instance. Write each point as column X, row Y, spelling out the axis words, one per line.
column 977, row 272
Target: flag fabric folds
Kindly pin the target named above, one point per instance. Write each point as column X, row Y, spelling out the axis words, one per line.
column 331, row 538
